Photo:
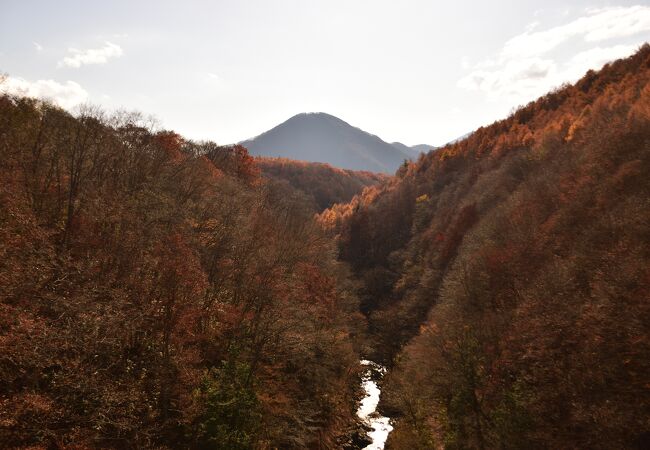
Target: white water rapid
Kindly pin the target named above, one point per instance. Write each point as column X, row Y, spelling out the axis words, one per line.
column 380, row 425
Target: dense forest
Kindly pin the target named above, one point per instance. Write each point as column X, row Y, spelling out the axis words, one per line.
column 323, row 184
column 506, row 276
column 158, row 292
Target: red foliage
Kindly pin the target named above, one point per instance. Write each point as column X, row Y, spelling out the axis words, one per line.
column 170, row 143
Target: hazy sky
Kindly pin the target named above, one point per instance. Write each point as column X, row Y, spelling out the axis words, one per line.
column 410, row 71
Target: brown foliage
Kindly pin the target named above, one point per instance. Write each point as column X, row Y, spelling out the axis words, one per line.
column 323, row 184
column 147, row 281
column 522, row 251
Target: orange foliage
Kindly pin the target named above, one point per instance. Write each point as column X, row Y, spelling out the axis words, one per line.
column 519, row 286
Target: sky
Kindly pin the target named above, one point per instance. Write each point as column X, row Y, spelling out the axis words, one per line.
column 414, row 71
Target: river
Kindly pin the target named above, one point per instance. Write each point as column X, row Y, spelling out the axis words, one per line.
column 367, row 411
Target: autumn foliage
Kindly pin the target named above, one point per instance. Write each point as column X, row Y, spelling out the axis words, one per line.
column 322, row 184
column 157, row 292
column 513, row 268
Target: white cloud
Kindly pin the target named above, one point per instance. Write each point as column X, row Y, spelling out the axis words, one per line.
column 91, row 55
column 38, row 47
column 597, row 25
column 612, row 23
column 526, row 67
column 597, row 57
column 66, row 95
column 514, row 78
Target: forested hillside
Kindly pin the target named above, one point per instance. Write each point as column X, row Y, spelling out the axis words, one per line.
column 157, row 292
column 323, row 184
column 513, row 268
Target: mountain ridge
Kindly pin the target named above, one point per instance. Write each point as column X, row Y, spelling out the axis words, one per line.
column 322, row 184
column 322, row 137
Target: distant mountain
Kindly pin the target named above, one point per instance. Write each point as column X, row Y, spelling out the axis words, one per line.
column 320, row 137
column 414, row 149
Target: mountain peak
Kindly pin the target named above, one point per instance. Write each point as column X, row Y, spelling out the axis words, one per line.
column 314, row 115
column 322, row 137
